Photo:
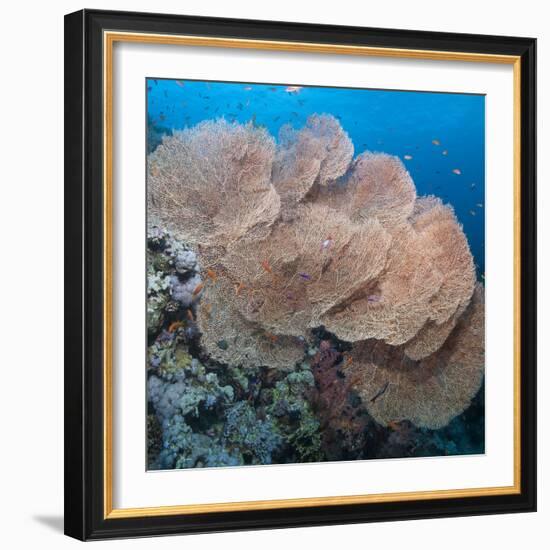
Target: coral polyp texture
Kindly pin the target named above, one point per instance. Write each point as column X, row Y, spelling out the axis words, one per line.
column 272, row 253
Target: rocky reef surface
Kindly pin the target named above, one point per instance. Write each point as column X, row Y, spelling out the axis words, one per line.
column 304, row 305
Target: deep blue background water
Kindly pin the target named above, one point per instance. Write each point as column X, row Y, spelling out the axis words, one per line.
column 396, row 122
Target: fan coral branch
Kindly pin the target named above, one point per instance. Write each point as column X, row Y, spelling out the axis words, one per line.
column 431, row 392
column 445, row 243
column 230, row 338
column 398, row 304
column 430, row 337
column 320, row 152
column 211, row 184
column 427, row 283
column 377, row 186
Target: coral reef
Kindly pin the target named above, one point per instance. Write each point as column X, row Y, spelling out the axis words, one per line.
column 346, row 428
column 288, row 403
column 172, row 277
column 302, row 305
column 259, row 436
column 204, row 416
column 203, row 412
column 448, row 249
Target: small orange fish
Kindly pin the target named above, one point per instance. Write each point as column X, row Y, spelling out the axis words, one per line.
column 348, row 359
column 190, row 315
column 272, row 337
column 238, row 288
column 266, row 266
column 436, row 142
column 212, row 274
column 457, row 171
column 198, row 288
column 175, row 326
column 293, row 89
column 407, row 157
column 394, row 425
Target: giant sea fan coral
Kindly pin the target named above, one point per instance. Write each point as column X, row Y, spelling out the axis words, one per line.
column 430, row 392
column 211, row 184
column 298, row 235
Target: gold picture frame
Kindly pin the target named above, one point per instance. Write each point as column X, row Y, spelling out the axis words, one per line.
column 102, row 32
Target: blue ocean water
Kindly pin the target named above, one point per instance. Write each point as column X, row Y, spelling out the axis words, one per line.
column 440, row 137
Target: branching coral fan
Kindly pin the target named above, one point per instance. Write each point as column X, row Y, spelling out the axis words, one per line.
column 430, row 392
column 298, row 234
column 211, row 183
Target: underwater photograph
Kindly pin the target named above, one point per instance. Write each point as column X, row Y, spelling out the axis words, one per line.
column 315, row 274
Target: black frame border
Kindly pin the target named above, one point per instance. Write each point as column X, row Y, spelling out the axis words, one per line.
column 84, row 453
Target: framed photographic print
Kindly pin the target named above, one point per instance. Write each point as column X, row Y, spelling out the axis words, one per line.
column 300, row 274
